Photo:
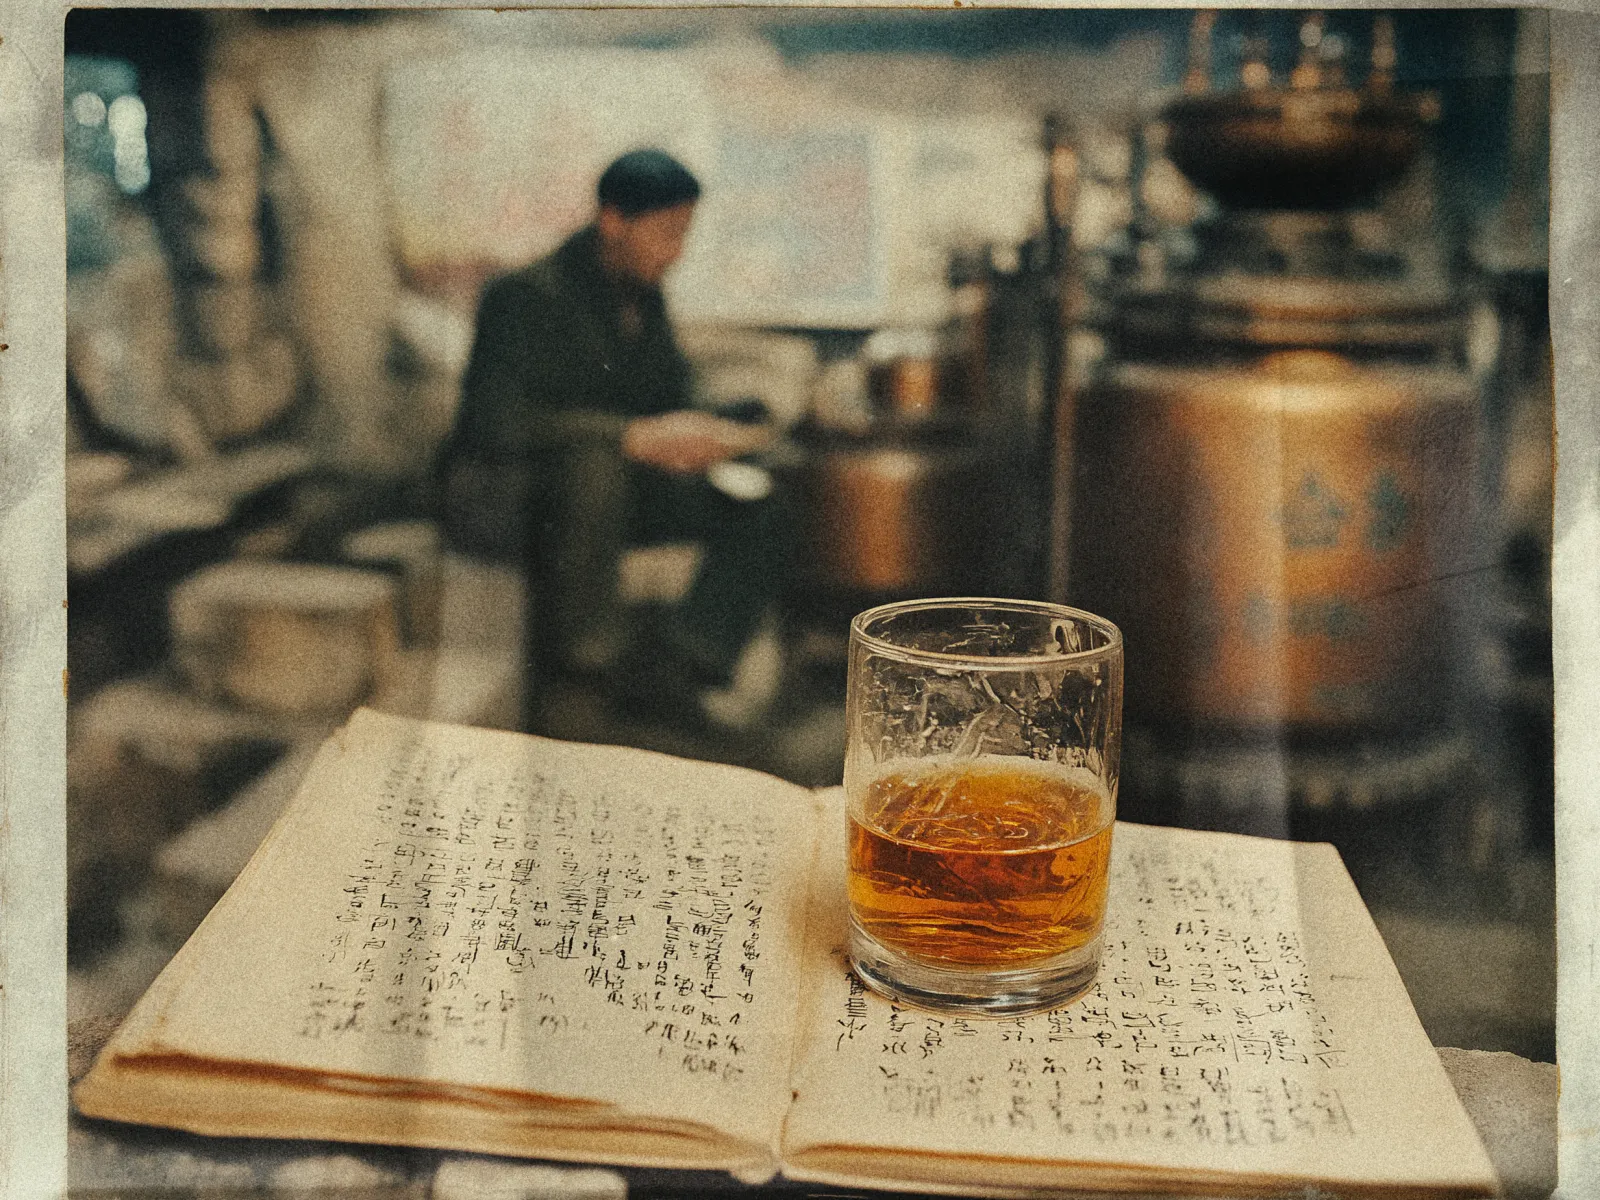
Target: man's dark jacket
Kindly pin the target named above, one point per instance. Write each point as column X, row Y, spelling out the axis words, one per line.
column 551, row 368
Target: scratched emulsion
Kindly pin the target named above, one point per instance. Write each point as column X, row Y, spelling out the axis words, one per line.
column 1203, row 1029
column 485, row 899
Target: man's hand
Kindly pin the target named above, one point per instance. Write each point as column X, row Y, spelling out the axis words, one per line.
column 686, row 442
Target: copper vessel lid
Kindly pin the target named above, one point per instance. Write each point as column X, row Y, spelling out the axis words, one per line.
column 1264, row 280
column 1258, row 310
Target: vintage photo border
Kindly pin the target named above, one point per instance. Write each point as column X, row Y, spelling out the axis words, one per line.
column 33, row 1100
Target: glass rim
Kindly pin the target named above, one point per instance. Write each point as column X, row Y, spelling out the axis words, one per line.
column 888, row 649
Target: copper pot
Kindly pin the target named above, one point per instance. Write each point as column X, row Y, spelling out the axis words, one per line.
column 894, row 513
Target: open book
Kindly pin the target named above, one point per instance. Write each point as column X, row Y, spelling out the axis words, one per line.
column 476, row 940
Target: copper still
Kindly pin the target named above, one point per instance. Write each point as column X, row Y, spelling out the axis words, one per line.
column 1274, row 470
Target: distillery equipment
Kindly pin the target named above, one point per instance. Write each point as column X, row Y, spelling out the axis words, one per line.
column 1273, row 471
column 913, row 489
column 890, row 512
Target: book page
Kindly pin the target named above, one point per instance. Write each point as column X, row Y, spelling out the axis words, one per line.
column 1246, row 1027
column 486, row 914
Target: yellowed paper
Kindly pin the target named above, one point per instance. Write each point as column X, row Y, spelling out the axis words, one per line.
column 1247, row 1026
column 485, row 919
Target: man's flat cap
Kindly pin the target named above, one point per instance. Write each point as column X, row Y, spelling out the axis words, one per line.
column 643, row 181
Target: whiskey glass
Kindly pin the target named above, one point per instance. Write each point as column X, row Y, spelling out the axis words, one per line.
column 981, row 763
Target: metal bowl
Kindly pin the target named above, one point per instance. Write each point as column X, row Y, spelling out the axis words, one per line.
column 1315, row 148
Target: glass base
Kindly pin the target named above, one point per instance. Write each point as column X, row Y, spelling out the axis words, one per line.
column 981, row 992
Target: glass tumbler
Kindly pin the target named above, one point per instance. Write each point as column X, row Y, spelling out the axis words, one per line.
column 981, row 765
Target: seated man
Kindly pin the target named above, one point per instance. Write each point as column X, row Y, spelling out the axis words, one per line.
column 574, row 440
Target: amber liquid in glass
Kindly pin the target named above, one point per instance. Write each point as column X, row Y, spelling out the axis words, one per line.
column 981, row 864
